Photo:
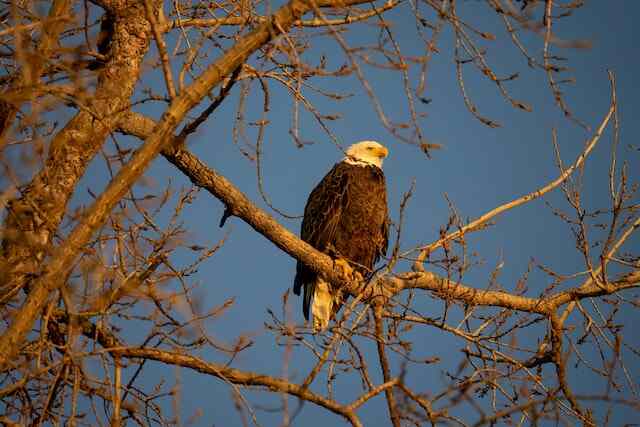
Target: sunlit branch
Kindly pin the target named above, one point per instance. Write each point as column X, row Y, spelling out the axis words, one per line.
column 162, row 47
column 249, row 379
column 384, row 365
column 240, row 206
column 316, row 22
column 96, row 215
column 482, row 220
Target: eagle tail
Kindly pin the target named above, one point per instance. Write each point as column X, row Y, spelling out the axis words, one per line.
column 322, row 304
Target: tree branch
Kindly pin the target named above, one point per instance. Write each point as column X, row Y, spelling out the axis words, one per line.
column 482, row 220
column 64, row 256
column 33, row 219
column 316, row 22
column 385, row 287
column 236, row 376
column 384, row 365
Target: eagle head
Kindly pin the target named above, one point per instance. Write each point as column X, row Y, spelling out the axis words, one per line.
column 366, row 153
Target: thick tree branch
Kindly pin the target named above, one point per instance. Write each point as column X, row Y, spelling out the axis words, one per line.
column 33, row 219
column 591, row 289
column 239, row 205
column 384, row 287
column 96, row 215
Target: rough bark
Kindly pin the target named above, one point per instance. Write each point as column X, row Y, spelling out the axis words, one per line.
column 33, row 218
column 65, row 254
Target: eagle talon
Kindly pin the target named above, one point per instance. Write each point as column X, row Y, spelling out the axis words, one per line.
column 346, row 270
column 357, row 277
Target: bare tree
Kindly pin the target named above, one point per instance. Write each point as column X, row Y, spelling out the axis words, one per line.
column 91, row 295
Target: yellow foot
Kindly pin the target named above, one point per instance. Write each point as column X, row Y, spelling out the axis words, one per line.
column 346, row 269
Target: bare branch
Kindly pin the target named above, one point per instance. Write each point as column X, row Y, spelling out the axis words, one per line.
column 482, row 220
column 239, row 377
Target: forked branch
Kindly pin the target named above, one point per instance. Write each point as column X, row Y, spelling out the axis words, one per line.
column 482, row 220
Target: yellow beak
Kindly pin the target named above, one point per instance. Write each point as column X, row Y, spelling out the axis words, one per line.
column 382, row 152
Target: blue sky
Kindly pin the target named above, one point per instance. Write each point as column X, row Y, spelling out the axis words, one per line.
column 478, row 169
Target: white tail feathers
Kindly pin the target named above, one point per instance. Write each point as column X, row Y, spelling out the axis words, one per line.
column 322, row 306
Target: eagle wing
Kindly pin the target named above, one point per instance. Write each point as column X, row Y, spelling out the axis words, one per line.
column 321, row 218
column 382, row 250
column 384, row 233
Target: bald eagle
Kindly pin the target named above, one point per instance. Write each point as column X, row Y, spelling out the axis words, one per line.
column 346, row 217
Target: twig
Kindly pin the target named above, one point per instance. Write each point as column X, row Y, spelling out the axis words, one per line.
column 162, row 47
column 384, row 365
column 479, row 222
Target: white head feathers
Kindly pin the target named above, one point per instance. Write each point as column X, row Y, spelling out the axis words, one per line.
column 366, row 153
